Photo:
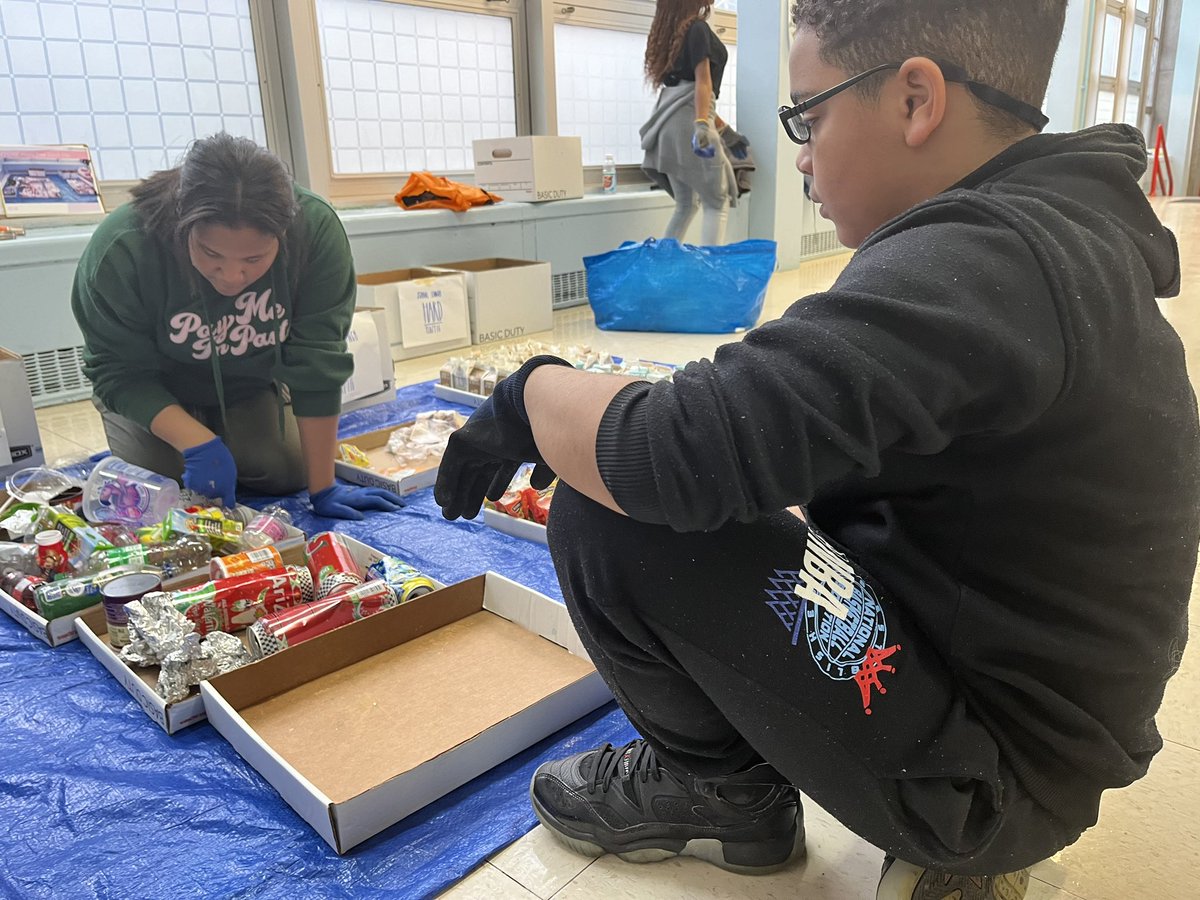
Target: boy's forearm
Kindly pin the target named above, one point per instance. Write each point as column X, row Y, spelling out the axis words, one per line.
column 565, row 407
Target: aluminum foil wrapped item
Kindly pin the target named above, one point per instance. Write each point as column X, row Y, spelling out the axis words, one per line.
column 155, row 629
column 187, row 664
column 228, row 652
column 162, row 636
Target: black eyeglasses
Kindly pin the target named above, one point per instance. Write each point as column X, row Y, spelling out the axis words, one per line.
column 801, row 132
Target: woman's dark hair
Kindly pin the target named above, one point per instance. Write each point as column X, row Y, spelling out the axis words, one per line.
column 223, row 180
column 672, row 19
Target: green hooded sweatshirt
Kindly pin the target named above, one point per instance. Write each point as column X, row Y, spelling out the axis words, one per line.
column 149, row 326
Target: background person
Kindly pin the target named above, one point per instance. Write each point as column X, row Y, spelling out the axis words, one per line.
column 685, row 155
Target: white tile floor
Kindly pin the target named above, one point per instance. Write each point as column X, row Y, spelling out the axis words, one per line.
column 1146, row 846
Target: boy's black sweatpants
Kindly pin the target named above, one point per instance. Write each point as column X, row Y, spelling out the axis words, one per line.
column 761, row 642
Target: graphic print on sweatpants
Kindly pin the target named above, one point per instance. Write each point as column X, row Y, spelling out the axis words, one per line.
column 838, row 615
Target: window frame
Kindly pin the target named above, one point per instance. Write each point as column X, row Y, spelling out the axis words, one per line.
column 305, row 87
column 1122, row 85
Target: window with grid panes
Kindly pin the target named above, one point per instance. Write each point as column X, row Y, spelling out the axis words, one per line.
column 135, row 80
column 1125, row 64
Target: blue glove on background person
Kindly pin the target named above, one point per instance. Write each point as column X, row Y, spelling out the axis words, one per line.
column 209, row 470
column 341, row 501
column 704, row 139
column 483, row 456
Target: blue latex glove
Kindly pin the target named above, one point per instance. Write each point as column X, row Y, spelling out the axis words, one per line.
column 210, row 471
column 483, row 456
column 704, row 139
column 342, row 501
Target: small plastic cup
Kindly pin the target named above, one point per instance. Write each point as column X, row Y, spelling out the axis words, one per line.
column 118, row 491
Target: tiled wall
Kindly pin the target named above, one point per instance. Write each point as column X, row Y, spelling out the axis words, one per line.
column 410, row 87
column 602, row 93
column 136, row 80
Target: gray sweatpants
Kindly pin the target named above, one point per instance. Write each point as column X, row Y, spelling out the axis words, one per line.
column 267, row 462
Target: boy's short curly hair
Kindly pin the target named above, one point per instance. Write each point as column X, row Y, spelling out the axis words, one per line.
column 1009, row 45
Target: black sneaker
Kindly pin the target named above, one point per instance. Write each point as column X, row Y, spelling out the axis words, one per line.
column 904, row 881
column 623, row 801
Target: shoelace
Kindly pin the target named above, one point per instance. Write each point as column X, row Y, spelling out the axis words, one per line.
column 644, row 765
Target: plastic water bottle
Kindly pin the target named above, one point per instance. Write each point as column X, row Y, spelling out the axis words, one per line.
column 610, row 174
column 268, row 527
column 118, row 491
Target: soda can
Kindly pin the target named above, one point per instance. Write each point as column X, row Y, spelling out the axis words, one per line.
column 406, row 581
column 261, row 560
column 327, row 553
column 335, row 580
column 232, row 604
column 347, row 604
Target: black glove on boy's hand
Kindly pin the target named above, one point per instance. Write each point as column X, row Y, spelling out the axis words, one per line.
column 483, row 456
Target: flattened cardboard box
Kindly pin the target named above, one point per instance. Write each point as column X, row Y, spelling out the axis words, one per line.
column 141, row 683
column 374, row 445
column 429, row 695
column 56, row 632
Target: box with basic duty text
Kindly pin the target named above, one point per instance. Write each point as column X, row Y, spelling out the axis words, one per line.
column 55, row 632
column 531, row 169
column 141, row 682
column 373, row 379
column 508, row 299
column 426, row 311
column 426, row 696
column 20, row 440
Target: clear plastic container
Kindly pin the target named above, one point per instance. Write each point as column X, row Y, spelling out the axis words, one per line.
column 118, row 491
column 19, row 556
column 185, row 553
column 268, row 527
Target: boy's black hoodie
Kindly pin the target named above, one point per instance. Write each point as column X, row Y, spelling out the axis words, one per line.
column 989, row 411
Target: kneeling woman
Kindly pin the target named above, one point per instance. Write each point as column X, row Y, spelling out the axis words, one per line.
column 214, row 309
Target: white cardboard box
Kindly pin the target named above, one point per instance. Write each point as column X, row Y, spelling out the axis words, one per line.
column 373, row 380
column 426, row 311
column 374, row 445
column 56, row 632
column 522, row 528
column 454, row 395
column 508, row 298
column 530, row 168
column 424, row 696
column 20, row 441
column 140, row 683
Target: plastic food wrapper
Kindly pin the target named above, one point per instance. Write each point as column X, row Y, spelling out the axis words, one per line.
column 480, row 374
column 210, row 524
column 349, row 453
column 20, row 521
column 424, row 441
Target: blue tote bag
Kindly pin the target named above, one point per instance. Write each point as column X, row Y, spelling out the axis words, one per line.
column 663, row 285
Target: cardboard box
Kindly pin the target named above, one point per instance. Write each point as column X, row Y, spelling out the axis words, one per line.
column 530, row 169
column 374, row 444
column 508, row 298
column 141, row 683
column 20, row 442
column 374, row 379
column 522, row 528
column 426, row 311
column 425, row 696
column 454, row 395
column 56, row 632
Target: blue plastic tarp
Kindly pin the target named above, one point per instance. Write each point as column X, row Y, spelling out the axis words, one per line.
column 97, row 801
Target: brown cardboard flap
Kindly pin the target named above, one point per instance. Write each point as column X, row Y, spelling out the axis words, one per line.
column 345, row 646
column 359, row 726
column 395, row 275
column 489, row 265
